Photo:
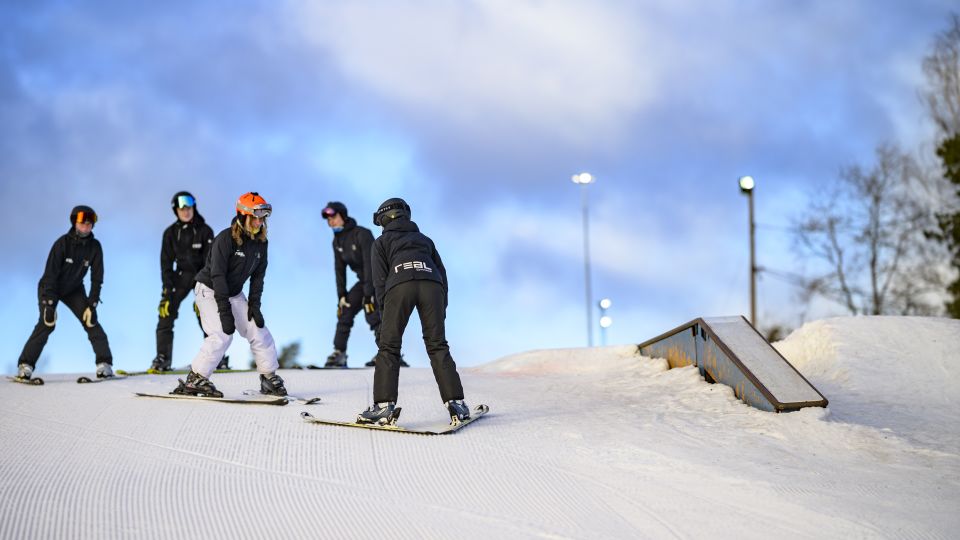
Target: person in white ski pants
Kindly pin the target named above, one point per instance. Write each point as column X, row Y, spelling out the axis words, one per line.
column 216, row 343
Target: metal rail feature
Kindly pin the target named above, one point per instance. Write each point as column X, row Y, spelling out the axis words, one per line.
column 729, row 350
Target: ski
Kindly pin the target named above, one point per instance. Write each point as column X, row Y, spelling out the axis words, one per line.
column 437, row 429
column 311, row 366
column 261, row 400
column 35, row 381
column 299, row 399
column 176, row 372
column 87, row 380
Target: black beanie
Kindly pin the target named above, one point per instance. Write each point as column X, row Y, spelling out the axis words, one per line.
column 337, row 207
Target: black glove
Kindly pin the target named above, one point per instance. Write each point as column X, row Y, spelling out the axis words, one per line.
column 369, row 306
column 48, row 312
column 253, row 314
column 226, row 317
column 89, row 316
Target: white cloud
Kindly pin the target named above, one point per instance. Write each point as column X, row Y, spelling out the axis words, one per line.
column 565, row 68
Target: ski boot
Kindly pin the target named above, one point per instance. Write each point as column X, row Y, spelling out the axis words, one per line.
column 197, row 385
column 458, row 411
column 104, row 370
column 224, row 363
column 159, row 365
column 381, row 414
column 337, row 359
column 24, row 371
column 272, row 385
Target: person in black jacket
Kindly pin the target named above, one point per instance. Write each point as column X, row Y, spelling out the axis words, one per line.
column 351, row 248
column 70, row 257
column 183, row 250
column 408, row 273
column 238, row 254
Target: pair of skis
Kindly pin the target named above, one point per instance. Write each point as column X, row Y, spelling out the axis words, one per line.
column 248, row 396
column 435, row 429
column 37, row 381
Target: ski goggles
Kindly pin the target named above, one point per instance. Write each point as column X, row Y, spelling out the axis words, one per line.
column 185, row 201
column 385, row 209
column 260, row 211
column 86, row 217
column 328, row 212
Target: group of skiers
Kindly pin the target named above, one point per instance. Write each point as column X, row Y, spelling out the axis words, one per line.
column 399, row 271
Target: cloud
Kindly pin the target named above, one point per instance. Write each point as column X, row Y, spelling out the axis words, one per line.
column 566, row 69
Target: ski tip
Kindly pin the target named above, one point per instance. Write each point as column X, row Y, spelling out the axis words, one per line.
column 82, row 380
column 482, row 409
column 305, row 414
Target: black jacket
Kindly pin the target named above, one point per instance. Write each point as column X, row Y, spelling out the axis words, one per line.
column 67, row 265
column 229, row 266
column 403, row 253
column 351, row 247
column 185, row 245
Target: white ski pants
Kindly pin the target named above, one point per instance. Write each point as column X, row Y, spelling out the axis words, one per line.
column 217, row 342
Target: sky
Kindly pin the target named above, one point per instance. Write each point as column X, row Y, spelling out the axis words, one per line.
column 476, row 113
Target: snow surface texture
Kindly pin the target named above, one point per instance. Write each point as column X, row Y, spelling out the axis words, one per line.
column 579, row 443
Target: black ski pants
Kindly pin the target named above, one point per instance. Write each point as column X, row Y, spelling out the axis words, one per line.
column 430, row 301
column 347, row 314
column 184, row 286
column 77, row 302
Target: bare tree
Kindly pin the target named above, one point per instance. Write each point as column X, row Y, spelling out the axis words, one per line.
column 866, row 234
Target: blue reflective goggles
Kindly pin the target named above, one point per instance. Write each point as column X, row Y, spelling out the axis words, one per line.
column 184, row 201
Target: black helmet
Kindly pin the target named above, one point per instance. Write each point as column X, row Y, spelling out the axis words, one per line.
column 82, row 214
column 333, row 208
column 390, row 210
column 182, row 199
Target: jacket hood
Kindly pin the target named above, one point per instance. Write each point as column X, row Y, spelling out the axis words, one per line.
column 348, row 223
column 401, row 224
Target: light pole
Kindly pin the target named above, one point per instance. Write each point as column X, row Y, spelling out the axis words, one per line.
column 605, row 320
column 746, row 186
column 585, row 179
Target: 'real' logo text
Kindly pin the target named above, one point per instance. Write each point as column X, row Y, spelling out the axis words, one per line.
column 414, row 265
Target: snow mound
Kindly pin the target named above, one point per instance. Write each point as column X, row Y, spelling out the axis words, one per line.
column 908, row 368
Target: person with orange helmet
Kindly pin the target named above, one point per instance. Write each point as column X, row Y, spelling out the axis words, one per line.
column 238, row 254
column 71, row 256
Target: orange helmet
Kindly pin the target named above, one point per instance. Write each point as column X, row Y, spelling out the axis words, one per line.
column 252, row 204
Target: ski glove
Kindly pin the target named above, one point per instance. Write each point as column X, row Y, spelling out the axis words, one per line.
column 342, row 304
column 164, row 308
column 226, row 317
column 48, row 312
column 89, row 316
column 368, row 305
column 253, row 314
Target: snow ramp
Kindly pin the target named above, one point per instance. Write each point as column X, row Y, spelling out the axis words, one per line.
column 729, row 350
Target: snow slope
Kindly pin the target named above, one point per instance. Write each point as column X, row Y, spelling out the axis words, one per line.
column 580, row 443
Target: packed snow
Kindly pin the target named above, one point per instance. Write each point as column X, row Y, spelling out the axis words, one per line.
column 579, row 443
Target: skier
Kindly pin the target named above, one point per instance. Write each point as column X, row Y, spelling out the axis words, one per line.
column 408, row 274
column 238, row 253
column 183, row 251
column 351, row 248
column 70, row 257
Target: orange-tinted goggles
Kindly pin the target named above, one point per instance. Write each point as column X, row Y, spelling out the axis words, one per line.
column 86, row 217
